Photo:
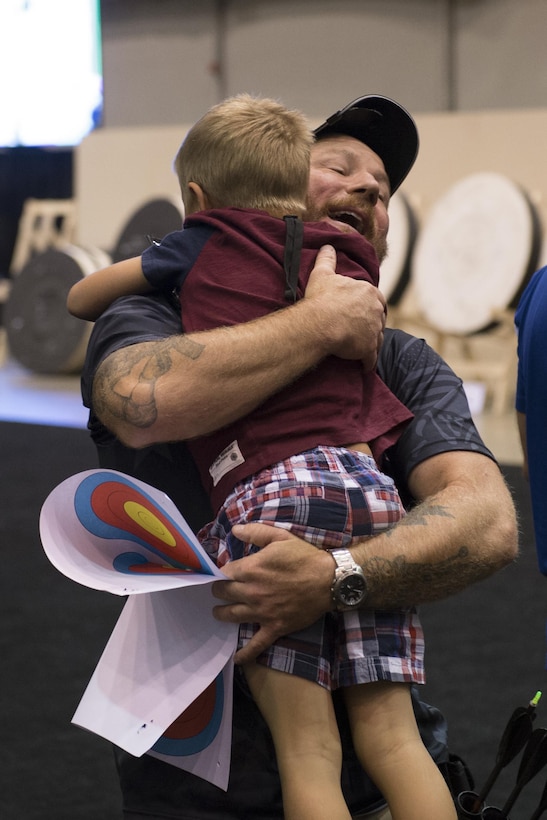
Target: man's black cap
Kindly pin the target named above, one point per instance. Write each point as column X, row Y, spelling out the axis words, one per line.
column 382, row 124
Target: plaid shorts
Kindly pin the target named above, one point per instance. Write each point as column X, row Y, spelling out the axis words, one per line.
column 328, row 496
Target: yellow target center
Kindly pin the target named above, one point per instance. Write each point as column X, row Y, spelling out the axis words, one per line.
column 149, row 522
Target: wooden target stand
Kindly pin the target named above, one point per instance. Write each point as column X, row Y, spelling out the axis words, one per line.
column 475, row 254
column 41, row 334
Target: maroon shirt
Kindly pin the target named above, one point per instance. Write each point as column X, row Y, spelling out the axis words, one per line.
column 230, row 265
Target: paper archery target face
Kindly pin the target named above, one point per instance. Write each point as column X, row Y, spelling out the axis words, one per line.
column 115, row 508
column 198, row 725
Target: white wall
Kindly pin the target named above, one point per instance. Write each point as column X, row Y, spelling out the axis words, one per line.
column 161, row 56
column 119, row 169
column 166, row 61
column 473, row 72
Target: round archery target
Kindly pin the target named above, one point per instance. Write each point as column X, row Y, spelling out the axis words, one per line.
column 198, row 725
column 403, row 230
column 115, row 508
column 475, row 253
column 41, row 333
column 153, row 220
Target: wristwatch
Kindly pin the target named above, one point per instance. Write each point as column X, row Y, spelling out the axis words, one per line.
column 349, row 585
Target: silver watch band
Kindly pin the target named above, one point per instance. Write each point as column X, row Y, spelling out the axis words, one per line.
column 346, row 567
column 343, row 559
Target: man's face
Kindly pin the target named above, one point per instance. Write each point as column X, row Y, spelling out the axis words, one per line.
column 349, row 189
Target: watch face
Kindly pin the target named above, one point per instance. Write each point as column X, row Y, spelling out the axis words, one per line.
column 352, row 589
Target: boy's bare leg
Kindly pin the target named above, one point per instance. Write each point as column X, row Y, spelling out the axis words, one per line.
column 301, row 718
column 389, row 746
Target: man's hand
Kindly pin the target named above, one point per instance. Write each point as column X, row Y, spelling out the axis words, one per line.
column 155, row 391
column 352, row 312
column 284, row 588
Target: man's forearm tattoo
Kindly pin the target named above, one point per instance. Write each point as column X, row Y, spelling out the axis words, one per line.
column 125, row 387
column 189, row 347
column 419, row 516
column 400, row 580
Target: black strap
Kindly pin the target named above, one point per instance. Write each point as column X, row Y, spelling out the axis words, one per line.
column 293, row 248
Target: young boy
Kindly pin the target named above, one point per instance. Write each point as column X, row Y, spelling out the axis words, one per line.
column 303, row 459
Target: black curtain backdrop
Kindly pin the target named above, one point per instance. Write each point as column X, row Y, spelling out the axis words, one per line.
column 485, row 650
column 38, row 173
column 52, row 632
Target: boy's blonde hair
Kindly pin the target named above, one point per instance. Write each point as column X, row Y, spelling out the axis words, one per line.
column 247, row 152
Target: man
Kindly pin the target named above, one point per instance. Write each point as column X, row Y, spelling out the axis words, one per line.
column 149, row 384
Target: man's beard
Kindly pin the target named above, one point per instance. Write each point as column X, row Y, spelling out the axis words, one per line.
column 370, row 228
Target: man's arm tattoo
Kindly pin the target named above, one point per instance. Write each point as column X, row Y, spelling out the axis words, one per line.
column 125, row 386
column 402, row 581
column 419, row 516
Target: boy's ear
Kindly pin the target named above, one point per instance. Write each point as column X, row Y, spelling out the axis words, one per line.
column 199, row 195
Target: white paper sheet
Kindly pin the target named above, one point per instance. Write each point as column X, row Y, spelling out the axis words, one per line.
column 111, row 532
column 163, row 684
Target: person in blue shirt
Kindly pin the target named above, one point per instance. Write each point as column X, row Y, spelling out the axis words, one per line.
column 531, row 400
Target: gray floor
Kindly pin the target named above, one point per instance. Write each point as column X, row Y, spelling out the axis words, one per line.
column 36, row 399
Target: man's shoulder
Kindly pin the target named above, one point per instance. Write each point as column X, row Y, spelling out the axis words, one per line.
column 403, row 352
column 396, row 338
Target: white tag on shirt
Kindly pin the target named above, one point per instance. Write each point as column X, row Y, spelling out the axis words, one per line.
column 230, row 458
